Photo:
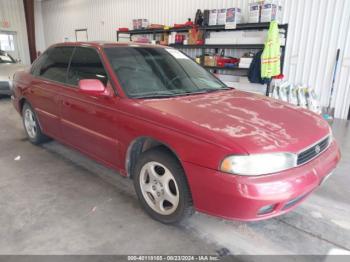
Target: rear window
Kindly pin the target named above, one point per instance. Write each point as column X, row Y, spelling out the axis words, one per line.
column 53, row 64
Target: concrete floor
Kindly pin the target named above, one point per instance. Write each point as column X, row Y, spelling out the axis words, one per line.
column 53, row 200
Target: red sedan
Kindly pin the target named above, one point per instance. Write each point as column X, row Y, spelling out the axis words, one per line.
column 188, row 141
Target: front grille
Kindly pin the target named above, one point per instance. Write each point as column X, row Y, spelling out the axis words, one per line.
column 4, row 85
column 313, row 151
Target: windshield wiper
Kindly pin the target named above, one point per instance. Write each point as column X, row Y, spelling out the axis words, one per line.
column 216, row 90
column 155, row 95
column 160, row 95
column 205, row 91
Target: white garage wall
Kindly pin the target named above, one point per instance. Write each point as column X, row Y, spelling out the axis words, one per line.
column 13, row 12
column 317, row 29
column 39, row 27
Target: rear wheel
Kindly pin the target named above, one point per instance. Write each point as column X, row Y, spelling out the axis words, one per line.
column 161, row 186
column 31, row 126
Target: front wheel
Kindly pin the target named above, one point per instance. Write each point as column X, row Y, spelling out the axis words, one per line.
column 161, row 186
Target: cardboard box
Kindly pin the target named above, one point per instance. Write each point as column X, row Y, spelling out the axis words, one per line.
column 172, row 38
column 233, row 17
column 224, row 37
column 134, row 24
column 227, row 34
column 213, row 17
column 251, row 41
column 140, row 23
column 271, row 11
column 254, row 12
column 221, row 16
column 194, row 35
column 252, row 37
column 210, row 60
column 264, row 11
column 246, row 60
column 144, row 23
column 244, row 65
column 164, row 39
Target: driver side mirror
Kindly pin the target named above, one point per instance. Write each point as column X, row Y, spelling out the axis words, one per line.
column 93, row 87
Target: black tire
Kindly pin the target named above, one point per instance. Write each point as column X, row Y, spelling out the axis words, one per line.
column 39, row 137
column 166, row 158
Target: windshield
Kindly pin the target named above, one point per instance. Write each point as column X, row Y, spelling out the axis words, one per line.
column 6, row 58
column 146, row 72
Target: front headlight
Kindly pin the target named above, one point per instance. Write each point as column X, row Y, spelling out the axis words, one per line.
column 258, row 164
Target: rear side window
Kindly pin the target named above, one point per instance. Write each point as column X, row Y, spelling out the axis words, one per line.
column 53, row 64
column 86, row 64
column 35, row 70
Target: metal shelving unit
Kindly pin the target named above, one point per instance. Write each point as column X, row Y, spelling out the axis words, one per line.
column 206, row 29
column 220, row 46
column 250, row 26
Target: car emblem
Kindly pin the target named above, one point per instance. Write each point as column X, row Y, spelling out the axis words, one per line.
column 317, row 149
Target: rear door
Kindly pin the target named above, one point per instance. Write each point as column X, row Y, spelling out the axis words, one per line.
column 50, row 73
column 89, row 122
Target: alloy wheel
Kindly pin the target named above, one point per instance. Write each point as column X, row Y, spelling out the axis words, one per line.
column 159, row 188
column 30, row 123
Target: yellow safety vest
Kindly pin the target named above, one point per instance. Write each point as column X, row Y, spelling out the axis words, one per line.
column 271, row 56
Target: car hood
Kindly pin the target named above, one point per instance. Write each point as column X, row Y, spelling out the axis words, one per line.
column 237, row 119
column 8, row 70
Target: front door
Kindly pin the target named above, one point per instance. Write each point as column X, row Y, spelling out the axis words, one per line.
column 88, row 122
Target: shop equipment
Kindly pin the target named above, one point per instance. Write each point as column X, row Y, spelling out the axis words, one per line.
column 215, row 47
column 329, row 114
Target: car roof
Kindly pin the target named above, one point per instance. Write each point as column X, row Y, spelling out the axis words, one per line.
column 108, row 44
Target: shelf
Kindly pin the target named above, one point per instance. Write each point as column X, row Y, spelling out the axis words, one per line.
column 144, row 31
column 247, row 26
column 226, row 68
column 216, row 28
column 221, row 46
column 250, row 26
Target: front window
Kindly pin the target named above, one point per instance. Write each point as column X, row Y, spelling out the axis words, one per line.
column 147, row 72
column 5, row 58
column 86, row 64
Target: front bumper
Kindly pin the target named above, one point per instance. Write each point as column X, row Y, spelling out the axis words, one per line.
column 242, row 198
